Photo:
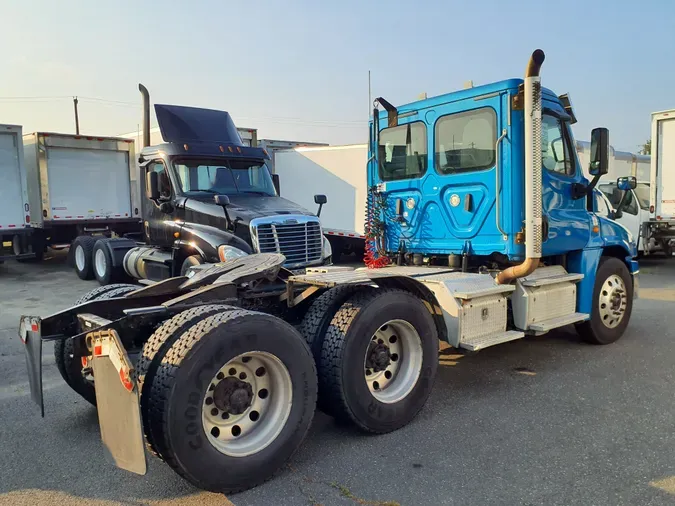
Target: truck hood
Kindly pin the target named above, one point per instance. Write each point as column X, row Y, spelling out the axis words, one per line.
column 242, row 209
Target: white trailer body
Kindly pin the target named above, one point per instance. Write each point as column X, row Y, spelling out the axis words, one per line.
column 78, row 184
column 14, row 206
column 663, row 165
column 339, row 172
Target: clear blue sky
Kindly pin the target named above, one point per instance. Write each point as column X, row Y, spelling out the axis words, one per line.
column 297, row 69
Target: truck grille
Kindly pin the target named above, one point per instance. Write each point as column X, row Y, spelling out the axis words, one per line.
column 299, row 241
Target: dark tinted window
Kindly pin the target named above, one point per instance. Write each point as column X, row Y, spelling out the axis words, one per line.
column 162, row 178
column 466, row 141
column 402, row 151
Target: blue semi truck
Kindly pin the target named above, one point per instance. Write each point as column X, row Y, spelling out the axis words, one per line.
column 483, row 225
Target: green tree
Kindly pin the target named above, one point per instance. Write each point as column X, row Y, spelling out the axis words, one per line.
column 646, row 148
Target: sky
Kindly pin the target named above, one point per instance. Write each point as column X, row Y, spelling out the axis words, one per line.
column 298, row 69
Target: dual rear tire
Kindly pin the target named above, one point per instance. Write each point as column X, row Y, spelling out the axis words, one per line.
column 92, row 259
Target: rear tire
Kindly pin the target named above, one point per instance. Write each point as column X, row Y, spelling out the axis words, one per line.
column 83, row 247
column 612, row 303
column 181, row 403
column 103, row 266
column 155, row 348
column 69, row 366
column 358, row 381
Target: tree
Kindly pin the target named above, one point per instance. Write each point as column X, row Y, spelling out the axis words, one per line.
column 646, row 148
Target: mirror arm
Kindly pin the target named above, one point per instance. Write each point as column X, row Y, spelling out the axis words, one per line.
column 580, row 190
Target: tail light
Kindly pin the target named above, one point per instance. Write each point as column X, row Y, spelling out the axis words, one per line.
column 28, row 218
column 651, row 209
column 658, row 217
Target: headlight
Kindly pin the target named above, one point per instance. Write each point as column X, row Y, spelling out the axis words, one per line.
column 228, row 253
column 327, row 251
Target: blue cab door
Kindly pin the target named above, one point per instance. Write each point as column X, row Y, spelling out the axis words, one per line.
column 567, row 219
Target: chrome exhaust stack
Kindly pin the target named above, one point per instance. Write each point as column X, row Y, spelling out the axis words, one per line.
column 533, row 171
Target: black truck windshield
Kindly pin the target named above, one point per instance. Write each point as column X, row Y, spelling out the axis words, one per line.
column 224, row 177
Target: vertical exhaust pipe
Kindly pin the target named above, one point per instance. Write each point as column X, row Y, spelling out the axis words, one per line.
column 146, row 114
column 533, row 170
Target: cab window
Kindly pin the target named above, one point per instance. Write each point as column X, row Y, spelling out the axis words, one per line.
column 466, row 141
column 630, row 206
column 556, row 154
column 402, row 151
column 601, row 206
column 163, row 179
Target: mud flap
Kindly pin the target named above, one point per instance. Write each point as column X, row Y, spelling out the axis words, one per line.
column 117, row 399
column 29, row 332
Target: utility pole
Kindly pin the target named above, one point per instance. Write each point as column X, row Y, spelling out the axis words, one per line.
column 77, row 119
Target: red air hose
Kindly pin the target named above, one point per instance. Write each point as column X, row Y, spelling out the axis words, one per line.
column 374, row 228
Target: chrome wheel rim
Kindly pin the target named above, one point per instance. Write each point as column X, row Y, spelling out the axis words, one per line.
column 613, row 301
column 247, row 404
column 393, row 361
column 79, row 257
column 100, row 263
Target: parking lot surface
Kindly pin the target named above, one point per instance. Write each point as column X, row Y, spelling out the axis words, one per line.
column 546, row 420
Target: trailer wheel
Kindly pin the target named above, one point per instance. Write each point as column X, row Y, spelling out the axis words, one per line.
column 69, row 366
column 189, row 262
column 83, row 247
column 155, row 347
column 104, row 269
column 612, row 303
column 232, row 399
column 379, row 360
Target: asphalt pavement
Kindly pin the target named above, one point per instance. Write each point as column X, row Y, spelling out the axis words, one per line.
column 546, row 420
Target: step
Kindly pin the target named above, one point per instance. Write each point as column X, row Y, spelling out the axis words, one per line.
column 478, row 343
column 553, row 280
column 561, row 321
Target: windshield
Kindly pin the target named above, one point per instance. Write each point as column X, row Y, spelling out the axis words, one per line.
column 642, row 192
column 224, row 177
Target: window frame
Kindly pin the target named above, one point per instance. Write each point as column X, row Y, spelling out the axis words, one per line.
column 472, row 169
column 563, row 121
column 150, row 168
column 426, row 145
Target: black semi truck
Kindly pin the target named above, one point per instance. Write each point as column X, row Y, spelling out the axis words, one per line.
column 205, row 198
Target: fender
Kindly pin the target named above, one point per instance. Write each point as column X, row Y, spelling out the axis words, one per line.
column 203, row 240
column 118, row 248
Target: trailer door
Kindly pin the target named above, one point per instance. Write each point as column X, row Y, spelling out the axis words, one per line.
column 11, row 193
column 665, row 169
column 88, row 183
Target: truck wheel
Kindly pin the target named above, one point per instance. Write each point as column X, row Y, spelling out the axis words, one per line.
column 105, row 271
column 379, row 360
column 189, row 262
column 232, row 399
column 160, row 341
column 315, row 323
column 71, row 367
column 612, row 303
column 83, row 247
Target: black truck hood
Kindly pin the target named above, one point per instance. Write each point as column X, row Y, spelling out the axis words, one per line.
column 244, row 208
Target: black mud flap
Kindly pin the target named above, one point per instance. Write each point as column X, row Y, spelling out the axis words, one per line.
column 117, row 399
column 30, row 334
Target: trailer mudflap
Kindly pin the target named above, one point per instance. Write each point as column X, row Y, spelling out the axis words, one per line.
column 117, row 399
column 30, row 334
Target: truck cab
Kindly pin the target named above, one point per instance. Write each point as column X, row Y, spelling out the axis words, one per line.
column 208, row 198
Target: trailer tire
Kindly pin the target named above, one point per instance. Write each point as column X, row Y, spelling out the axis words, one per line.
column 68, row 365
column 155, row 348
column 83, row 248
column 190, row 262
column 181, row 408
column 612, row 303
column 346, row 355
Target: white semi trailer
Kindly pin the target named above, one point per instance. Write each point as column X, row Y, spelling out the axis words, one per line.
column 14, row 208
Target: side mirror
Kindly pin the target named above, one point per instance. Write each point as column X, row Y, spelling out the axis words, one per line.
column 166, row 207
column 152, row 185
column 626, row 183
column 275, row 182
column 321, row 200
column 599, row 152
column 221, row 200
